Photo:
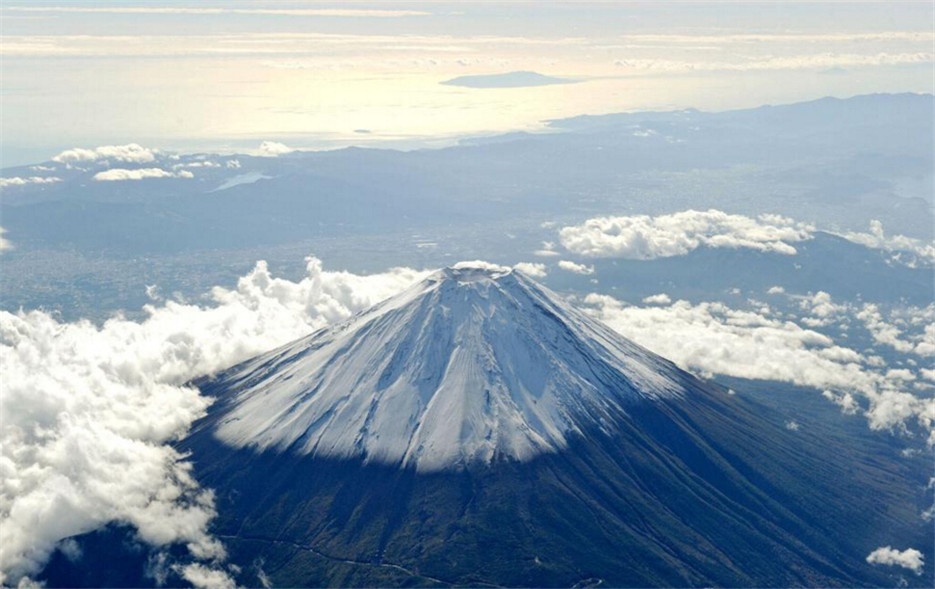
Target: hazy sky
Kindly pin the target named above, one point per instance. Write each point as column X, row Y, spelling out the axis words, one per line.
column 222, row 75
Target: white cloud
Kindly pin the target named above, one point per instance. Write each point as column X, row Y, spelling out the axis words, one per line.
column 576, row 268
column 793, row 425
column 658, row 299
column 472, row 264
column 845, row 401
column 712, row 338
column 4, row 242
column 889, row 334
column 644, row 133
column 87, row 410
column 197, row 164
column 643, row 237
column 776, row 290
column 910, row 558
column 18, row 181
column 882, row 332
column 821, row 308
column 909, row 251
column 202, row 577
column 122, row 174
column 131, row 152
column 273, row 149
column 532, row 269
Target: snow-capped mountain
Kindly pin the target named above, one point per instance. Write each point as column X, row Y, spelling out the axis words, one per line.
column 474, row 363
column 476, row 430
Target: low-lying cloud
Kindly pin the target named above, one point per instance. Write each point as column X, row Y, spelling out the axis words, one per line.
column 19, row 181
column 575, row 268
column 533, row 269
column 4, row 242
column 642, row 237
column 88, row 411
column 711, row 338
column 131, row 153
column 910, row 558
column 123, row 174
column 907, row 250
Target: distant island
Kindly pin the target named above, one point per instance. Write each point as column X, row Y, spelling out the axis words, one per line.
column 507, row 80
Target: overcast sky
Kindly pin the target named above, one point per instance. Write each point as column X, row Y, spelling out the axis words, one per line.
column 220, row 75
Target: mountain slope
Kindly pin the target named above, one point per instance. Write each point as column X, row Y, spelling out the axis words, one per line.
column 710, row 489
column 476, row 430
column 472, row 364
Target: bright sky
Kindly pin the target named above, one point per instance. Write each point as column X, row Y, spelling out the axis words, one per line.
column 226, row 75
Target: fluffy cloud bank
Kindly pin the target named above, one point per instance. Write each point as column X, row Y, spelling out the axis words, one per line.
column 908, row 250
column 643, row 237
column 910, row 558
column 712, row 338
column 131, row 152
column 18, row 181
column 121, row 174
column 88, row 411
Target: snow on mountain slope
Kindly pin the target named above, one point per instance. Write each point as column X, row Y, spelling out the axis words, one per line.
column 474, row 363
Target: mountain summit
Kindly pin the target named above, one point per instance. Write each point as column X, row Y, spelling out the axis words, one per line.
column 475, row 363
column 476, row 430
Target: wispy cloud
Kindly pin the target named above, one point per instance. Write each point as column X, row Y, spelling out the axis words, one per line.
column 637, row 53
column 812, row 61
column 760, row 38
column 313, row 12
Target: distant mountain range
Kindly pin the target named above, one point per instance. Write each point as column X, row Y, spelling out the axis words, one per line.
column 836, row 163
